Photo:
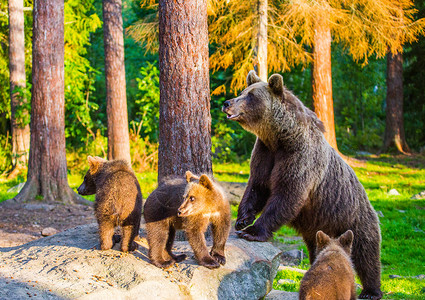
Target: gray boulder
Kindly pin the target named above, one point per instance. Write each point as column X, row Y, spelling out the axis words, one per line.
column 67, row 266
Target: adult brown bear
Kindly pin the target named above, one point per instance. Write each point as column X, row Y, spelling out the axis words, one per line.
column 298, row 179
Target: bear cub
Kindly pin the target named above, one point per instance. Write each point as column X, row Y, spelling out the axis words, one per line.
column 331, row 276
column 118, row 200
column 190, row 204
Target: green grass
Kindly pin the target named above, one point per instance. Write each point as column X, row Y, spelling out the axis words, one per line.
column 402, row 220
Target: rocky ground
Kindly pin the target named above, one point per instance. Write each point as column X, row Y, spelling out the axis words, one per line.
column 21, row 223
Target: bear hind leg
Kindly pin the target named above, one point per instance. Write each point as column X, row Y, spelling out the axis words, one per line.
column 169, row 245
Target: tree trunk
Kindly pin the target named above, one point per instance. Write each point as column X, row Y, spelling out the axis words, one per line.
column 184, row 119
column 322, row 79
column 116, row 99
column 47, row 171
column 20, row 130
column 394, row 127
column 262, row 40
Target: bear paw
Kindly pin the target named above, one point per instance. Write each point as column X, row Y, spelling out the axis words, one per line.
column 209, row 262
column 221, row 259
column 244, row 221
column 252, row 233
column 368, row 294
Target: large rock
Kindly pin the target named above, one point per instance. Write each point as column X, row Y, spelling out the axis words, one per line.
column 66, row 265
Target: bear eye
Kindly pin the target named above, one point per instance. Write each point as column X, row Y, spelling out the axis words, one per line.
column 191, row 199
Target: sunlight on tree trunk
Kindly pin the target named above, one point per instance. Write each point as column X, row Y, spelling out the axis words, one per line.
column 394, row 127
column 184, row 117
column 322, row 79
column 19, row 126
column 47, row 171
column 262, row 40
column 116, row 99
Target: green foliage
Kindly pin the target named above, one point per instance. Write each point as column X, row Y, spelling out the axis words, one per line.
column 147, row 101
column 80, row 21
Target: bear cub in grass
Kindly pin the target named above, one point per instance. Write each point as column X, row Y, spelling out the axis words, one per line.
column 297, row 178
column 331, row 276
column 118, row 200
column 190, row 204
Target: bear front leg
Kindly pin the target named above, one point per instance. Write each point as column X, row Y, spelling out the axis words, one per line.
column 197, row 242
column 220, row 230
column 280, row 209
column 257, row 191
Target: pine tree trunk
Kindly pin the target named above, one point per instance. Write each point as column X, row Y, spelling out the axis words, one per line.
column 322, row 79
column 116, row 107
column 184, row 120
column 47, row 171
column 262, row 40
column 394, row 127
column 20, row 130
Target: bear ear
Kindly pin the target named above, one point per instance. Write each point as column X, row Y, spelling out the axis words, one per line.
column 190, row 177
column 276, row 84
column 322, row 239
column 95, row 163
column 346, row 240
column 252, row 78
column 206, row 182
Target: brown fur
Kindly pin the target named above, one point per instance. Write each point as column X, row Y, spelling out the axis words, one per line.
column 298, row 179
column 118, row 200
column 331, row 277
column 191, row 205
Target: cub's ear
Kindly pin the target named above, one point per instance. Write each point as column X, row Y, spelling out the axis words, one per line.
column 252, row 78
column 206, row 182
column 95, row 163
column 190, row 177
column 346, row 240
column 276, row 84
column 322, row 239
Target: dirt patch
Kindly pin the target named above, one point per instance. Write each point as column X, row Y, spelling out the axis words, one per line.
column 23, row 222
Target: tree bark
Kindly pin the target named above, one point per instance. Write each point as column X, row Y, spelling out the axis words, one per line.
column 394, row 128
column 184, row 120
column 47, row 171
column 322, row 79
column 262, row 40
column 20, row 130
column 116, row 99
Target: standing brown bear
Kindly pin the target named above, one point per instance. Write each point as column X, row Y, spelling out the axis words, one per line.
column 331, row 276
column 298, row 179
column 191, row 205
column 118, row 200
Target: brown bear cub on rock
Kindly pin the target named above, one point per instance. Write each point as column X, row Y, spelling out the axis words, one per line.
column 118, row 200
column 190, row 205
column 298, row 179
column 331, row 277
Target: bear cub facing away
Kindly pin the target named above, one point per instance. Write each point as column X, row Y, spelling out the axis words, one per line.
column 331, row 276
column 190, row 204
column 118, row 200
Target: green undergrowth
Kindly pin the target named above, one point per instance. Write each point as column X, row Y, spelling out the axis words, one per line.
column 402, row 218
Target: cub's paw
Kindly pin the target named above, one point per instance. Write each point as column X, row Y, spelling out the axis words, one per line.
column 164, row 264
column 252, row 233
column 209, row 262
column 179, row 258
column 221, row 259
column 368, row 294
column 244, row 221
